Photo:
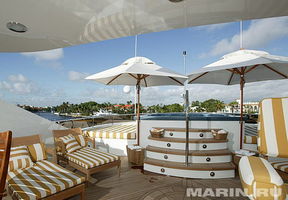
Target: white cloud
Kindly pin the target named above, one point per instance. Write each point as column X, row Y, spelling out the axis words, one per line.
column 50, row 55
column 149, row 96
column 77, row 76
column 258, row 34
column 252, row 91
column 113, row 94
column 58, row 93
column 169, row 95
column 18, row 84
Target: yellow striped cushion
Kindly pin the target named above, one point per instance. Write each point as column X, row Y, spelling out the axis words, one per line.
column 19, row 158
column 37, row 152
column 123, row 131
column 70, row 143
column 257, row 175
column 273, row 127
column 280, row 165
column 81, row 140
column 88, row 157
column 250, row 139
column 42, row 180
column 14, row 173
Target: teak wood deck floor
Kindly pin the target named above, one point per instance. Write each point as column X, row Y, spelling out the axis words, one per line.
column 133, row 184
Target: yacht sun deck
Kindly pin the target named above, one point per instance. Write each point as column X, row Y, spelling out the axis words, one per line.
column 150, row 182
column 211, row 164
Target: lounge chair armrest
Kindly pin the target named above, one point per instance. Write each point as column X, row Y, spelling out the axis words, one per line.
column 61, row 146
column 50, row 151
column 90, row 139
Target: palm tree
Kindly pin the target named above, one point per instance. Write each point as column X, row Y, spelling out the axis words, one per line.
column 233, row 105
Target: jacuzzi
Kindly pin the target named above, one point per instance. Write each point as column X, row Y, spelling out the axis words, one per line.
column 227, row 122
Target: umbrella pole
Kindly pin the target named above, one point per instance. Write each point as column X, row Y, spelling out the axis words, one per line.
column 241, row 110
column 187, row 127
column 138, row 114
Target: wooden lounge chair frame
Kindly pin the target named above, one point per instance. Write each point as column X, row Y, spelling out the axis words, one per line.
column 6, row 137
column 87, row 172
column 76, row 190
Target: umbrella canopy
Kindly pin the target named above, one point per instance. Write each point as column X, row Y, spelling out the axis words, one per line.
column 140, row 72
column 240, row 67
column 254, row 65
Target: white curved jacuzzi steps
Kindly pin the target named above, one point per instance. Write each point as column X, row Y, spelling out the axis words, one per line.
column 193, row 133
column 194, row 144
column 195, row 156
column 208, row 157
column 220, row 152
column 194, row 170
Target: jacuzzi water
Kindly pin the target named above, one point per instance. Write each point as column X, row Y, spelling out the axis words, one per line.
column 192, row 116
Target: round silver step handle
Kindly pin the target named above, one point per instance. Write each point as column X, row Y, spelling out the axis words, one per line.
column 171, row 134
column 204, row 146
column 165, row 157
column 168, row 145
column 212, row 174
column 201, row 135
column 162, row 170
column 208, row 159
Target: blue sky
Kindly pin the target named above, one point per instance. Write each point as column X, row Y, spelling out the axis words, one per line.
column 51, row 77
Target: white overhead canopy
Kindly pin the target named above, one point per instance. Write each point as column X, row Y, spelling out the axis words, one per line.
column 55, row 23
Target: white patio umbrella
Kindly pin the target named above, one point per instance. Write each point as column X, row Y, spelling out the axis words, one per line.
column 139, row 72
column 240, row 67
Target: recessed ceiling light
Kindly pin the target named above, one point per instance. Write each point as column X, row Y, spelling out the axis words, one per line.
column 175, row 1
column 16, row 27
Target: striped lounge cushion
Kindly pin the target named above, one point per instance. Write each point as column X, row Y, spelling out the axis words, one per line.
column 259, row 178
column 123, row 131
column 42, row 180
column 70, row 143
column 88, row 157
column 14, row 173
column 280, row 165
column 81, row 140
column 272, row 127
column 37, row 152
column 19, row 158
column 250, row 139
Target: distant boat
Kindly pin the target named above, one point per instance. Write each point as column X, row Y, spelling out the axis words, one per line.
column 103, row 113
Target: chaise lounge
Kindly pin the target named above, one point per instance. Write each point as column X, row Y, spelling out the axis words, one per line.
column 32, row 176
column 72, row 147
column 259, row 179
